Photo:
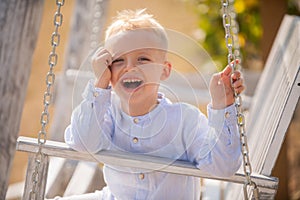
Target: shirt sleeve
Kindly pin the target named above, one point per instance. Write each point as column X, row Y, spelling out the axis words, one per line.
column 216, row 144
column 91, row 124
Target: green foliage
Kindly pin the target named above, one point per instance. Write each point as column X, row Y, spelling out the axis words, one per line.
column 250, row 33
column 294, row 7
column 210, row 22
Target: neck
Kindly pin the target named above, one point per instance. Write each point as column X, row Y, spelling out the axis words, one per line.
column 134, row 108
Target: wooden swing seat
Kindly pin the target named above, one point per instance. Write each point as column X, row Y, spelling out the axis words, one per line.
column 59, row 149
column 269, row 116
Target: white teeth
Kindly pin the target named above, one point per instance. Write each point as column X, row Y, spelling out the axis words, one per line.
column 131, row 80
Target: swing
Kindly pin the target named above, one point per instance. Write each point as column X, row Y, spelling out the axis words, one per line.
column 40, row 150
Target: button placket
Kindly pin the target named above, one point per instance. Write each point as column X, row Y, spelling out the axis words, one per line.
column 141, row 176
column 136, row 120
column 95, row 94
column 227, row 115
column 135, row 140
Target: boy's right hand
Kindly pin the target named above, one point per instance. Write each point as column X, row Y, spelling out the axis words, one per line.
column 101, row 62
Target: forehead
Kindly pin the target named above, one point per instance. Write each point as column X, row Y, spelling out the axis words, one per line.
column 133, row 40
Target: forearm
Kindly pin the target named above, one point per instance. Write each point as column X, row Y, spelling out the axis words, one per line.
column 223, row 156
column 90, row 127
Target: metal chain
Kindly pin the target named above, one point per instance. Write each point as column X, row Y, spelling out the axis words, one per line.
column 95, row 27
column 231, row 39
column 50, row 78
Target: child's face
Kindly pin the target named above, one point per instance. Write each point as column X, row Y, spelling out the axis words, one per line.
column 138, row 65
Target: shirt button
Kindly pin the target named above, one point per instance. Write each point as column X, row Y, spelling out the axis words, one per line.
column 135, row 140
column 95, row 94
column 136, row 120
column 141, row 176
column 227, row 114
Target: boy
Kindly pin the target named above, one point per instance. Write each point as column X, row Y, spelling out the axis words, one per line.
column 136, row 118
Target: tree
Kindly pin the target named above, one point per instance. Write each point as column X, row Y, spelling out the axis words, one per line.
column 19, row 26
column 257, row 27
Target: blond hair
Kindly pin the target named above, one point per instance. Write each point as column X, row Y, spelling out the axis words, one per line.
column 128, row 20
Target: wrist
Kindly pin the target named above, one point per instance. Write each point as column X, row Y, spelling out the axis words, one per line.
column 220, row 105
column 217, row 106
column 100, row 83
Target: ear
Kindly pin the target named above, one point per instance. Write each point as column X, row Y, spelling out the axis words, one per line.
column 166, row 71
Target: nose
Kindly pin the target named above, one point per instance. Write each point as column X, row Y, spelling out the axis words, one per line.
column 130, row 64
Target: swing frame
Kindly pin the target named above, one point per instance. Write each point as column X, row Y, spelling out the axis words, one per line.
column 267, row 185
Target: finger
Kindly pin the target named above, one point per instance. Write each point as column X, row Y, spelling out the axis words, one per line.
column 100, row 50
column 227, row 71
column 103, row 54
column 236, row 75
column 240, row 89
column 108, row 61
column 104, row 57
column 238, row 83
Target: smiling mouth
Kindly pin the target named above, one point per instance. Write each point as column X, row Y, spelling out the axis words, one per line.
column 132, row 83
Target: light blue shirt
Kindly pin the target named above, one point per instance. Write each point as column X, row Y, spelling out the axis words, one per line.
column 172, row 130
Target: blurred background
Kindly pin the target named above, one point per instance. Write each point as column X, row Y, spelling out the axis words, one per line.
column 200, row 20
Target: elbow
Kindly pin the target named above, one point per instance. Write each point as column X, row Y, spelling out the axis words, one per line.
column 83, row 143
column 68, row 137
column 74, row 141
column 232, row 167
column 230, row 162
column 70, row 140
column 225, row 167
column 227, row 171
column 230, row 171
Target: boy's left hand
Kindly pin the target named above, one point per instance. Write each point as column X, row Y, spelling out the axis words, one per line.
column 221, row 91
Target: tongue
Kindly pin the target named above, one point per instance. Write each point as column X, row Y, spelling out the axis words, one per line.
column 132, row 85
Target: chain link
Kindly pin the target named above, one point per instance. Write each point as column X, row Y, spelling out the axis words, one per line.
column 231, row 38
column 44, row 120
column 95, row 28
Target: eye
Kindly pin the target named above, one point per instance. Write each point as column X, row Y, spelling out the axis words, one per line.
column 143, row 59
column 118, row 60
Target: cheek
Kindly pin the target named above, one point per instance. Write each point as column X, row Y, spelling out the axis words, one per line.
column 152, row 72
column 115, row 73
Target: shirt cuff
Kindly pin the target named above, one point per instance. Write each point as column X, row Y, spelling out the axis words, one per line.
column 92, row 93
column 219, row 118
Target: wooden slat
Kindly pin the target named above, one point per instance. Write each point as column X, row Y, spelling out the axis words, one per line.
column 42, row 177
column 122, row 159
column 274, row 102
column 275, row 99
column 85, row 173
column 15, row 191
column 58, row 168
